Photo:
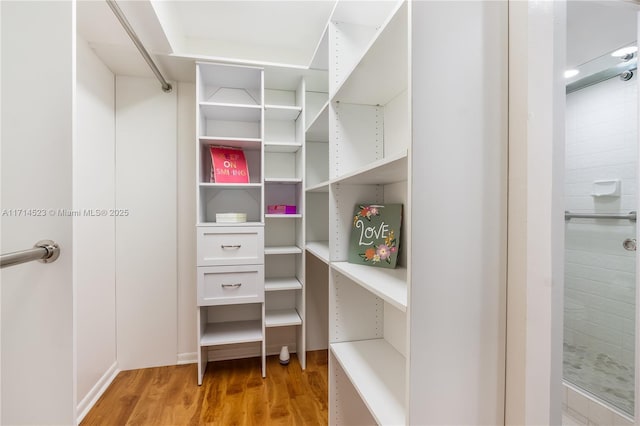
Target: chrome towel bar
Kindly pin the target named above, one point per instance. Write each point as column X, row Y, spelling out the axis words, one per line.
column 630, row 216
column 45, row 251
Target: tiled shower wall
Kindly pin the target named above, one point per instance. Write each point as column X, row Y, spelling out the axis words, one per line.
column 601, row 144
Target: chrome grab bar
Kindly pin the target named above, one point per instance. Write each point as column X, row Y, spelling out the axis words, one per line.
column 630, row 216
column 45, row 251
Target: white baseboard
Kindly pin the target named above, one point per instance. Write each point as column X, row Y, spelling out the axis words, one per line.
column 187, row 358
column 96, row 392
column 225, row 353
column 275, row 349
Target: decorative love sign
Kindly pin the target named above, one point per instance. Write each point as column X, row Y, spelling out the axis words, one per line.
column 375, row 234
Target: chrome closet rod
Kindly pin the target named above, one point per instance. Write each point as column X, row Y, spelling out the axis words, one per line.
column 45, row 251
column 630, row 216
column 134, row 37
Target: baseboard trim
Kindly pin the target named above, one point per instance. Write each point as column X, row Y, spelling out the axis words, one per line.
column 188, row 358
column 226, row 353
column 96, row 392
column 275, row 349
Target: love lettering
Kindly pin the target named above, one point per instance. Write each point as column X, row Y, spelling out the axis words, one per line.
column 371, row 232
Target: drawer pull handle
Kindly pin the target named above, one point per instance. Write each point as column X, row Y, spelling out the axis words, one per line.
column 227, row 246
column 236, row 285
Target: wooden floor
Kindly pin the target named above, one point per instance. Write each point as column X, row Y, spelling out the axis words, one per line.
column 232, row 393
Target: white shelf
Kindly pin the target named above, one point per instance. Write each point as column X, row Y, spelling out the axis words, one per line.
column 281, row 112
column 320, row 187
column 218, row 224
column 382, row 72
column 318, row 128
column 273, row 250
column 287, row 181
column 319, row 249
column 282, row 318
column 283, row 216
column 282, row 146
column 377, row 372
column 242, row 143
column 388, row 284
column 279, row 284
column 229, row 185
column 385, row 171
column 230, row 112
column 225, row 333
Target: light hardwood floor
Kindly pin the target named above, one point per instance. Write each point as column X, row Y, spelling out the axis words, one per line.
column 232, row 393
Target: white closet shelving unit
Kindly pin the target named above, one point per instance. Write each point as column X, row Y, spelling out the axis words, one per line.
column 230, row 257
column 317, row 201
column 284, row 233
column 411, row 345
column 369, row 151
column 317, row 182
column 399, row 337
column 317, row 159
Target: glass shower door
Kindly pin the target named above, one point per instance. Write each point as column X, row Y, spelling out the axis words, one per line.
column 601, row 201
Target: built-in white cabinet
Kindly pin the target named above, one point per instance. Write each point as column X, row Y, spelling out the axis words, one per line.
column 284, row 179
column 369, row 151
column 400, row 340
column 370, row 123
column 230, row 256
column 251, row 275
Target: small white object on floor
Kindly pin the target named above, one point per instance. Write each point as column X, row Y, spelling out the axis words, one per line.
column 284, row 355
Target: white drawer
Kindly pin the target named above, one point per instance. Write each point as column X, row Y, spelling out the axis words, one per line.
column 230, row 246
column 225, row 285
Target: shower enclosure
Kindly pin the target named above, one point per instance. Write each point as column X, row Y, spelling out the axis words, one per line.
column 600, row 231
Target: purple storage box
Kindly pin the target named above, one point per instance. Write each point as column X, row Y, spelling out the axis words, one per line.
column 281, row 209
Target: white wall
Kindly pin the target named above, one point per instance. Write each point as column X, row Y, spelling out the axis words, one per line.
column 537, row 38
column 94, row 236
column 187, row 332
column 37, row 132
column 601, row 143
column 146, row 239
column 458, row 249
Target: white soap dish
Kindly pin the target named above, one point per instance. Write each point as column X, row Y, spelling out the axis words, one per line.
column 606, row 188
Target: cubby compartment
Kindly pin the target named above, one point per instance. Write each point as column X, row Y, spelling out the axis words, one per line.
column 317, row 167
column 283, row 165
column 284, row 192
column 226, row 329
column 251, row 153
column 282, row 233
column 234, row 123
column 367, row 136
column 317, row 224
column 230, row 198
column 228, row 84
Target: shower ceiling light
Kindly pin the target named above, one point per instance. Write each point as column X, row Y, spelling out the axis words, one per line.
column 571, row 73
column 629, row 50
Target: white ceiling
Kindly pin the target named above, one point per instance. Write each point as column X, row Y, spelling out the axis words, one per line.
column 284, row 32
column 596, row 28
column 267, row 31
